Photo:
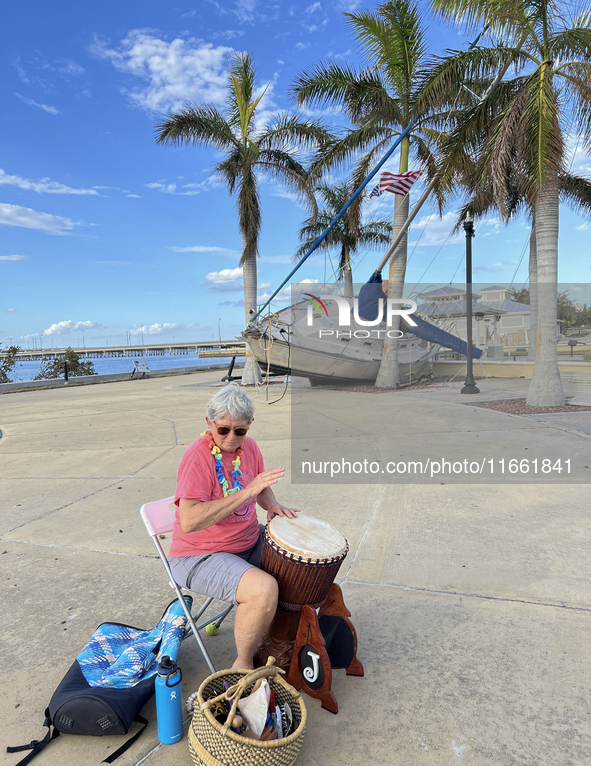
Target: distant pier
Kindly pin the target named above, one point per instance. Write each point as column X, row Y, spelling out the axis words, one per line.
column 208, row 348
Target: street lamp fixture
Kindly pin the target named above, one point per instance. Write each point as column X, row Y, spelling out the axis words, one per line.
column 469, row 384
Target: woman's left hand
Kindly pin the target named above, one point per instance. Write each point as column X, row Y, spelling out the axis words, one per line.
column 281, row 510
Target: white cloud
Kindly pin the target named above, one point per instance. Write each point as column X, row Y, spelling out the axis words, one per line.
column 45, row 107
column 302, row 46
column 495, row 266
column 344, row 55
column 14, row 257
column 169, row 189
column 204, row 249
column 10, row 311
column 436, row 231
column 245, row 9
column 229, row 34
column 15, row 215
column 176, row 72
column 276, row 259
column 65, row 66
column 193, row 188
column 43, row 186
column 225, row 281
column 580, row 159
column 134, row 196
column 348, row 5
column 224, row 276
column 154, row 329
column 316, row 27
column 314, row 7
column 282, row 296
column 583, row 227
column 67, row 326
column 233, row 304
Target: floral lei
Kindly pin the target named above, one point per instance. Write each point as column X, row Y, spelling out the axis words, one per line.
column 219, row 466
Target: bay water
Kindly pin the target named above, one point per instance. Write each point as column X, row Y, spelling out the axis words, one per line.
column 28, row 370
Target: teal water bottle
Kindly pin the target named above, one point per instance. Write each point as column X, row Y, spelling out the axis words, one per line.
column 169, row 701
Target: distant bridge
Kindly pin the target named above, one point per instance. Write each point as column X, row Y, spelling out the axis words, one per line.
column 206, row 348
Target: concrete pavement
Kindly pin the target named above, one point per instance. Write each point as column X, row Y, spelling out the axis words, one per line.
column 472, row 604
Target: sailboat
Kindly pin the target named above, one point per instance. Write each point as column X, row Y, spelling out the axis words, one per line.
column 323, row 351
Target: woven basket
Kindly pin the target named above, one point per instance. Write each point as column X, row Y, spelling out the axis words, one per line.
column 210, row 747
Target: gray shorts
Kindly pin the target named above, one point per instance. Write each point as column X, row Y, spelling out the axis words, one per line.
column 216, row 574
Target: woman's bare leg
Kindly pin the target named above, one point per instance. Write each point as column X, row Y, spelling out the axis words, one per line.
column 257, row 602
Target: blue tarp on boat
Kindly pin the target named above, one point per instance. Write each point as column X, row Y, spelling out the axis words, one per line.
column 368, row 298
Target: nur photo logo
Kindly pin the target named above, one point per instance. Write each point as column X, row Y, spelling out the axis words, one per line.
column 348, row 311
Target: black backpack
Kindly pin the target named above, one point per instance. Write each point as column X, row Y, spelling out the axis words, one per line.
column 76, row 707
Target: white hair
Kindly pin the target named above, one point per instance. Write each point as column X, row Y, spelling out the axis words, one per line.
column 233, row 401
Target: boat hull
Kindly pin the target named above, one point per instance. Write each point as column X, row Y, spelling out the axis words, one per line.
column 286, row 344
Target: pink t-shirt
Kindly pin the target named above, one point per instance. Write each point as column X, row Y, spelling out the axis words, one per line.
column 197, row 480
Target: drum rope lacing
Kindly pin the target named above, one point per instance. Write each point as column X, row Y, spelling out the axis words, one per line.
column 299, row 558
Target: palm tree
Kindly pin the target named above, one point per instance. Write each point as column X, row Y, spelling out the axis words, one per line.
column 574, row 190
column 349, row 234
column 249, row 149
column 380, row 101
column 523, row 124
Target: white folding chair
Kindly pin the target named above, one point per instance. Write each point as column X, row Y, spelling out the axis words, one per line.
column 159, row 519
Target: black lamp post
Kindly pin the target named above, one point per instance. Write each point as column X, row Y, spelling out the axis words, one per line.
column 469, row 384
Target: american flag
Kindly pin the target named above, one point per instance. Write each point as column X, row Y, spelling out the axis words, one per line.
column 397, row 184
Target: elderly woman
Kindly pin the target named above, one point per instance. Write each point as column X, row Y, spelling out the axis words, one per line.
column 216, row 540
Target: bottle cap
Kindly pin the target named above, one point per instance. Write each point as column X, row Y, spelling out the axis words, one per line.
column 166, row 666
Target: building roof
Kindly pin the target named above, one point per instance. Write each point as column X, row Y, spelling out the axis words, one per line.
column 458, row 308
column 493, row 287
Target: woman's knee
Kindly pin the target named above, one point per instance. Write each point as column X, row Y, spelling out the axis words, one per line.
column 258, row 586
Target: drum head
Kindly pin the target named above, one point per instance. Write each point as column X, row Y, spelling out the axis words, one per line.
column 307, row 537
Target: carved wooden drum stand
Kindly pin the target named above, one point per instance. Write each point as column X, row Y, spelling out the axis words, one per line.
column 311, row 632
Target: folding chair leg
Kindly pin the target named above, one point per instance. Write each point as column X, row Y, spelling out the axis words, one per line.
column 217, row 618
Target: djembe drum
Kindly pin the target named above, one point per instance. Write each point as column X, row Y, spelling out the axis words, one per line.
column 304, row 555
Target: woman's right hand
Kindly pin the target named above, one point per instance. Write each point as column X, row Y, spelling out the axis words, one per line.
column 264, row 480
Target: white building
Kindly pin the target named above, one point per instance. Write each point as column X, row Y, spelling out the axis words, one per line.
column 497, row 318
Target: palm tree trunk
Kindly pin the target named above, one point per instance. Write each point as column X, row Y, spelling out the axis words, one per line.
column 389, row 374
column 545, row 389
column 252, row 373
column 533, row 295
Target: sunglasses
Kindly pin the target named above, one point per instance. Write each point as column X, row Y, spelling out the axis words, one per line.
column 225, row 430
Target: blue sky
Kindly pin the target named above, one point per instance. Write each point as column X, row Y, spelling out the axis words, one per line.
column 103, row 233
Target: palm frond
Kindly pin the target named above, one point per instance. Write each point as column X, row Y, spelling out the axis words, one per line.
column 573, row 43
column 323, row 83
column 241, row 101
column 196, row 125
column 447, row 75
column 354, row 143
column 544, row 145
column 576, row 191
column 577, row 78
column 288, row 130
column 395, row 43
column 282, row 167
column 503, row 15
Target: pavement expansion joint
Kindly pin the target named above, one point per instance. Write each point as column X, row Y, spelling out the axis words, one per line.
column 376, row 506
column 75, row 548
column 91, row 494
column 469, row 595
